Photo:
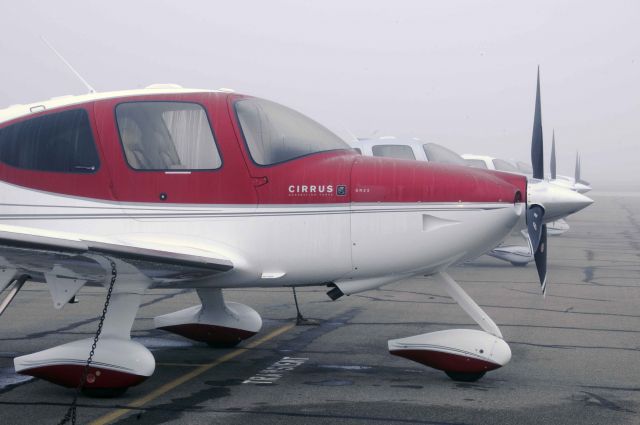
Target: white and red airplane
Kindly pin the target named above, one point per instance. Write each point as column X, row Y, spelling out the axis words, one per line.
column 173, row 188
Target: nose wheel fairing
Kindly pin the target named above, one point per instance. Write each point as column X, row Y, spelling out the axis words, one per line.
column 463, row 354
column 454, row 350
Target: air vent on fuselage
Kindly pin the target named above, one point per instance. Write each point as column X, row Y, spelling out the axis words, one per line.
column 430, row 222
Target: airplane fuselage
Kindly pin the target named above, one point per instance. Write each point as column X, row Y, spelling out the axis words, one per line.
column 319, row 217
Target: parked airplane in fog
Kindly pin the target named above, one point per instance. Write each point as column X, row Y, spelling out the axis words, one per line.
column 174, row 188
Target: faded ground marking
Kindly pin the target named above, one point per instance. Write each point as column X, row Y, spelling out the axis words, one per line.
column 276, row 370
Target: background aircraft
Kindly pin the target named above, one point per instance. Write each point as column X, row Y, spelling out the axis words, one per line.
column 557, row 227
column 511, row 249
column 492, row 163
column 558, row 201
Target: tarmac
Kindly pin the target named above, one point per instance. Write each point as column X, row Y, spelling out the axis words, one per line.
column 576, row 352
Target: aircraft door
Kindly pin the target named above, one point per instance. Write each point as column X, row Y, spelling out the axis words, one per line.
column 173, row 153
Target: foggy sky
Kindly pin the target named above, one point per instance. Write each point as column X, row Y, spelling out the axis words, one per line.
column 460, row 73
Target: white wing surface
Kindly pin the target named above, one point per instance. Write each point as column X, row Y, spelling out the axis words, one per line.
column 38, row 252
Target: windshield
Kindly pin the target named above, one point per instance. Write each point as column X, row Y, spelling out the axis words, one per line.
column 393, row 151
column 524, row 167
column 437, row 153
column 275, row 133
column 502, row 165
column 476, row 163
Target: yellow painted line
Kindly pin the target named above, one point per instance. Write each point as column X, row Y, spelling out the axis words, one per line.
column 163, row 389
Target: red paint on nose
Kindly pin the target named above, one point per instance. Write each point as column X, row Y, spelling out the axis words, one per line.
column 393, row 180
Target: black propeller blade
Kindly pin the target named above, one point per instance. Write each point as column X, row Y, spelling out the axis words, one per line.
column 534, row 225
column 538, row 230
column 537, row 150
column 552, row 167
column 540, row 257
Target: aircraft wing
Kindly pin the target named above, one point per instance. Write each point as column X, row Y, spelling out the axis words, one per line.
column 162, row 258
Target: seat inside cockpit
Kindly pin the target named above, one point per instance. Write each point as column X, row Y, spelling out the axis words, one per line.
column 167, row 136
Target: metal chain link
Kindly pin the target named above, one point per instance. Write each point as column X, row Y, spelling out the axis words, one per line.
column 70, row 415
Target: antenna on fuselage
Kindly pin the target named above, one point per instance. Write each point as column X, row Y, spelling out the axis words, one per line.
column 76, row 73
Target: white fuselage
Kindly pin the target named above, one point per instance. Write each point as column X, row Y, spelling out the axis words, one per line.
column 281, row 245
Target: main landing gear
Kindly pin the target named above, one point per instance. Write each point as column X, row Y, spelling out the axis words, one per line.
column 218, row 323
column 117, row 362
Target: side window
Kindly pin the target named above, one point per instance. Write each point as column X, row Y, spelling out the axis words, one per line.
column 167, row 136
column 60, row 142
column 394, row 151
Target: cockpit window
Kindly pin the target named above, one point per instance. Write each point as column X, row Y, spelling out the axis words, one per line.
column 502, row 165
column 275, row 133
column 437, row 153
column 393, row 151
column 476, row 163
column 167, row 136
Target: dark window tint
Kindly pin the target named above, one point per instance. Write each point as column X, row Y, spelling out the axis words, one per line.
column 60, row 142
column 394, row 151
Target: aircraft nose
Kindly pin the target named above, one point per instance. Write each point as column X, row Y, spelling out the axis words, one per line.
column 442, row 214
column 558, row 202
